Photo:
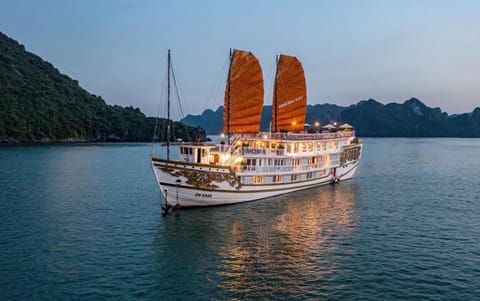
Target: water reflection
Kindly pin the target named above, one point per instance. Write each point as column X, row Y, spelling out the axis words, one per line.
column 300, row 242
column 266, row 249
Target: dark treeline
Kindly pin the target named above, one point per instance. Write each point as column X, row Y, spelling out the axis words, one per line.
column 39, row 104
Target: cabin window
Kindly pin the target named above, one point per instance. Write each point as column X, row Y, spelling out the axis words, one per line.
column 310, row 147
column 318, row 146
column 296, row 162
column 323, row 172
column 304, row 147
column 325, row 158
column 252, row 162
column 313, row 160
column 309, row 175
column 293, row 177
column 199, row 155
column 276, row 179
column 295, row 147
column 324, row 145
column 257, row 179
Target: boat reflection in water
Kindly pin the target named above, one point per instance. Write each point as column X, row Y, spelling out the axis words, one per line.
column 284, row 250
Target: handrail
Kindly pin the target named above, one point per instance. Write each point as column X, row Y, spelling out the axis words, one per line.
column 300, row 136
column 298, row 168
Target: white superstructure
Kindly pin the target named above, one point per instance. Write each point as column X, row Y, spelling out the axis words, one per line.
column 256, row 166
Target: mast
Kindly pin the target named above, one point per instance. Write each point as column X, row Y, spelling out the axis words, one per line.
column 228, row 97
column 275, row 95
column 168, row 104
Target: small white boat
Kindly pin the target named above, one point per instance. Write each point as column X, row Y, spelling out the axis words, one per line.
column 248, row 164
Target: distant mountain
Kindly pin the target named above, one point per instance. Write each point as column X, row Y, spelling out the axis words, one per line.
column 410, row 119
column 212, row 121
column 39, row 104
column 370, row 119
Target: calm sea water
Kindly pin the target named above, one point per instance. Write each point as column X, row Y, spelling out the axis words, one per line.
column 84, row 223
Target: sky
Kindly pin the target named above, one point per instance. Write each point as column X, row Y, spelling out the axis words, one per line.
column 350, row 50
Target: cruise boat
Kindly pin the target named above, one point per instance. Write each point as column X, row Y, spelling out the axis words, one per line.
column 247, row 164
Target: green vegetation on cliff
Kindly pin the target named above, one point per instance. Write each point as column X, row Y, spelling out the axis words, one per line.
column 39, row 104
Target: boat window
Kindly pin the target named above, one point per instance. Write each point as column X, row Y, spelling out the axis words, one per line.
column 257, row 179
column 294, row 177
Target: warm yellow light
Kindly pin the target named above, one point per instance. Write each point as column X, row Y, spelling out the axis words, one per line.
column 224, row 158
column 317, row 124
column 294, row 123
column 265, row 136
column 335, row 123
column 222, row 135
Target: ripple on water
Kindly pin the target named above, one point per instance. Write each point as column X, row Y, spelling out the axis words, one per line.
column 83, row 222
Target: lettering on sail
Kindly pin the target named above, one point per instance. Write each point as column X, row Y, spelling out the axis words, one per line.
column 289, row 102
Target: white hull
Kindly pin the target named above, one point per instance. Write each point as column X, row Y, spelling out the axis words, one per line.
column 178, row 192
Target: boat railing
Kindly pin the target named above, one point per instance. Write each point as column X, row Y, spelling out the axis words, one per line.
column 297, row 168
column 262, row 151
column 302, row 135
column 272, row 152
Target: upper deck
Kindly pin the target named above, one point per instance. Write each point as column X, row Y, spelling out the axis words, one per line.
column 286, row 137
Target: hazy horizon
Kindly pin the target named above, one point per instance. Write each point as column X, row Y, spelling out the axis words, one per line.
column 351, row 50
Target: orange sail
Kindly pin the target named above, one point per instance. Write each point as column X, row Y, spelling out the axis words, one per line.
column 243, row 94
column 289, row 95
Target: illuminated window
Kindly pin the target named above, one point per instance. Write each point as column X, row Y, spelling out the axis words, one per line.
column 276, row 179
column 257, row 179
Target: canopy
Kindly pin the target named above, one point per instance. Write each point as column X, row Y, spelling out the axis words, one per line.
column 328, row 126
column 346, row 126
